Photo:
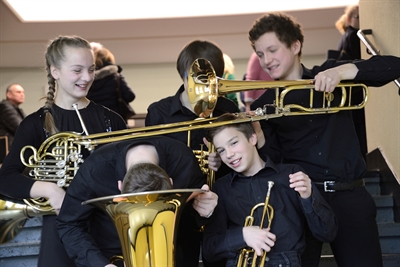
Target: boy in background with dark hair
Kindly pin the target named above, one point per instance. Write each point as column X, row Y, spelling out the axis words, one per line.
column 178, row 108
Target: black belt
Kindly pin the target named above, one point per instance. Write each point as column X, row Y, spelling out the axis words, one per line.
column 332, row 186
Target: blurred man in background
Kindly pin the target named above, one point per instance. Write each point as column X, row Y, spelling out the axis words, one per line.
column 10, row 113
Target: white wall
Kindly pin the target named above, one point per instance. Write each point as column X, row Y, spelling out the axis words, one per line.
column 150, row 82
column 383, row 108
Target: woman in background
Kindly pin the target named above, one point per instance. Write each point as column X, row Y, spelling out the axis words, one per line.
column 348, row 25
column 103, row 89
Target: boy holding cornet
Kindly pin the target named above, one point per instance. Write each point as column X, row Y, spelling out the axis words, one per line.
column 293, row 197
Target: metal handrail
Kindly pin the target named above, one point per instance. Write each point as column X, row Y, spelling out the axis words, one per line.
column 362, row 35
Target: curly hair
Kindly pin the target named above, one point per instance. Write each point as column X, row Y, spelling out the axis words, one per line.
column 284, row 26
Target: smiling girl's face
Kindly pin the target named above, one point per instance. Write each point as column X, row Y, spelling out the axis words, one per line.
column 75, row 74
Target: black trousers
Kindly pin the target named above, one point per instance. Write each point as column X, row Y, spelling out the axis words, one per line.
column 357, row 240
column 52, row 251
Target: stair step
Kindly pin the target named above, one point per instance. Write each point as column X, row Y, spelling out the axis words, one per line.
column 34, row 222
column 389, row 260
column 389, row 234
column 389, row 237
column 384, row 205
column 28, row 234
column 21, row 249
column 372, row 184
column 26, row 261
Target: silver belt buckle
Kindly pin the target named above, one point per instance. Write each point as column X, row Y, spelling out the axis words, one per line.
column 326, row 183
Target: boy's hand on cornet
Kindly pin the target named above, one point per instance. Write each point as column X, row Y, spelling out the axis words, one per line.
column 259, row 239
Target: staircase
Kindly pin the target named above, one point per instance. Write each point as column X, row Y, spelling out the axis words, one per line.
column 389, row 230
column 23, row 250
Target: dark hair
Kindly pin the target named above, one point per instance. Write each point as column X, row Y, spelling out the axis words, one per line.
column 244, row 127
column 144, row 177
column 284, row 26
column 55, row 54
column 200, row 49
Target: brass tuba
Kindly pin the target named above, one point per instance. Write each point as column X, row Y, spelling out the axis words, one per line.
column 147, row 224
column 247, row 254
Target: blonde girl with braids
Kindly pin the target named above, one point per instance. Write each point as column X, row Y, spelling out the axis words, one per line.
column 70, row 70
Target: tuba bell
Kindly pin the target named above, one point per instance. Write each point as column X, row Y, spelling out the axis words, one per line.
column 147, row 224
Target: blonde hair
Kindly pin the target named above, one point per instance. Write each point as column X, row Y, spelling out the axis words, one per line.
column 102, row 57
column 343, row 22
column 229, row 67
column 55, row 54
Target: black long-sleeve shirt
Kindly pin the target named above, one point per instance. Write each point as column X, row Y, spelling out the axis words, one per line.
column 349, row 46
column 171, row 110
column 325, row 145
column 96, row 243
column 237, row 195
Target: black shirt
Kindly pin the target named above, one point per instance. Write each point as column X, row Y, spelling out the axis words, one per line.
column 349, row 46
column 325, row 145
column 10, row 118
column 237, row 195
column 171, row 110
column 97, row 177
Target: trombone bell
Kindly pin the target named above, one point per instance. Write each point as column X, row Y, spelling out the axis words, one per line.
column 204, row 86
column 146, row 223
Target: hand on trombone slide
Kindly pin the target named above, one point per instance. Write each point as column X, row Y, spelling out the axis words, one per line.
column 326, row 81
